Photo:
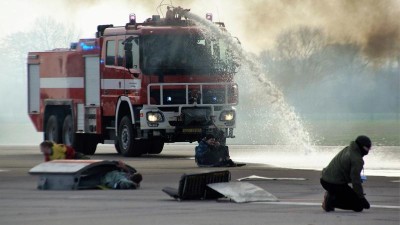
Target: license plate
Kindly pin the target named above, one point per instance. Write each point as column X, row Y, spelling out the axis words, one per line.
column 191, row 130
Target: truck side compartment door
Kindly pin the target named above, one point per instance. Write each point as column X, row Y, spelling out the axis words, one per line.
column 92, row 81
column 33, row 88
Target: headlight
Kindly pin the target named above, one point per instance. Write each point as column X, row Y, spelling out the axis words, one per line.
column 227, row 115
column 154, row 117
column 233, row 93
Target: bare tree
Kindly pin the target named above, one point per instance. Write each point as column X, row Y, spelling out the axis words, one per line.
column 45, row 34
column 297, row 56
column 300, row 43
column 344, row 59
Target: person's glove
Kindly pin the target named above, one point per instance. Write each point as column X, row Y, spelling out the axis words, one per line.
column 365, row 203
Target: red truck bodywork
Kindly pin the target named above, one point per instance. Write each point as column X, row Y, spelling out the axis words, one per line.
column 86, row 95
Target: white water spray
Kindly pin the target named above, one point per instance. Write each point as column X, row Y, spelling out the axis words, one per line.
column 289, row 124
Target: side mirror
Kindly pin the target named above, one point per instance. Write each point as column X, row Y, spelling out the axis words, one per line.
column 128, row 55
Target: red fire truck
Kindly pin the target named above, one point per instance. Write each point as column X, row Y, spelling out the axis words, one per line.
column 137, row 86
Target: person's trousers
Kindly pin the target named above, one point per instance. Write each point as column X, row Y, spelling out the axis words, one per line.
column 223, row 152
column 343, row 196
column 216, row 157
column 79, row 155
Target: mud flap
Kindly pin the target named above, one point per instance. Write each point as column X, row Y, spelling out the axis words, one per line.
column 241, row 192
column 73, row 174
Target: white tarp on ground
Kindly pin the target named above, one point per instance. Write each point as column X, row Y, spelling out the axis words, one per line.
column 255, row 177
column 243, row 192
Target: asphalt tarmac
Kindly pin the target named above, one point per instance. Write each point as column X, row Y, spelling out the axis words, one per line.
column 299, row 200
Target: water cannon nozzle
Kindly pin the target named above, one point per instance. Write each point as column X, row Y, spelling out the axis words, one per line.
column 176, row 13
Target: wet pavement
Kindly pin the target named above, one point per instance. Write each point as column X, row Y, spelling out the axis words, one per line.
column 300, row 199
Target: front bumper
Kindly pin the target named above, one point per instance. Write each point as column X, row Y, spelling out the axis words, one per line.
column 187, row 123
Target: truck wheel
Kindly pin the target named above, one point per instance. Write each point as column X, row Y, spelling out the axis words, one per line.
column 52, row 132
column 156, row 146
column 126, row 139
column 117, row 146
column 68, row 134
column 86, row 143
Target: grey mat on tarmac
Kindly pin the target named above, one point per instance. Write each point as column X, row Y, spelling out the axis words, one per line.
column 241, row 192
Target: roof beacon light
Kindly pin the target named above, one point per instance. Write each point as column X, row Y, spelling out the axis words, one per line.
column 132, row 19
column 209, row 16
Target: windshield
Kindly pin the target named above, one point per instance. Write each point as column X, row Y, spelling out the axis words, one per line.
column 186, row 54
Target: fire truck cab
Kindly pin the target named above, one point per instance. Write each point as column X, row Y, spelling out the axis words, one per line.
column 137, row 86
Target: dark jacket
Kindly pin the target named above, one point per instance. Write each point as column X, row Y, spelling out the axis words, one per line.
column 346, row 168
column 208, row 155
column 202, row 149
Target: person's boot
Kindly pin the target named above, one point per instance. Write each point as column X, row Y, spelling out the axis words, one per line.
column 230, row 163
column 327, row 204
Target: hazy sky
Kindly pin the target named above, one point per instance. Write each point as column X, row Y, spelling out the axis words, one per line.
column 86, row 15
column 256, row 22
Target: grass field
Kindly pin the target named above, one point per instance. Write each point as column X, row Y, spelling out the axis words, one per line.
column 341, row 132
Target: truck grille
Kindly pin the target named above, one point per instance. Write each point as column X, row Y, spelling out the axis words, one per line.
column 178, row 97
column 194, row 117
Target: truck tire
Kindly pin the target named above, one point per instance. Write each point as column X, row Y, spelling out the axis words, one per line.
column 116, row 145
column 156, row 146
column 52, row 131
column 126, row 139
column 86, row 143
column 68, row 133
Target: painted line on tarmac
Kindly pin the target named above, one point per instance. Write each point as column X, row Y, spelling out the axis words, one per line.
column 319, row 204
column 3, row 170
column 258, row 178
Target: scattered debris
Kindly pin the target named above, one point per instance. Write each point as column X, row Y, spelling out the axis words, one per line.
column 241, row 192
column 216, row 185
column 194, row 186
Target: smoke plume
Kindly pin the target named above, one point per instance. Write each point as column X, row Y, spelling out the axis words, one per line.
column 372, row 24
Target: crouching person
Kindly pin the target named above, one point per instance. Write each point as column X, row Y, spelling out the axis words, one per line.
column 53, row 151
column 211, row 153
column 122, row 178
column 345, row 168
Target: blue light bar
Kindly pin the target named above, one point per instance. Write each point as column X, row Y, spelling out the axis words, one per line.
column 87, row 46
